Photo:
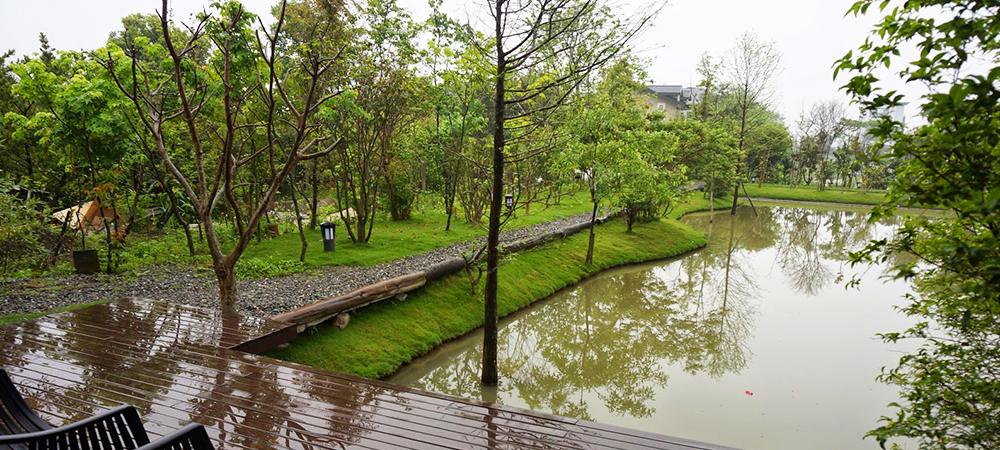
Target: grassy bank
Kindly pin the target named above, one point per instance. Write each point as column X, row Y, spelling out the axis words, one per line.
column 811, row 194
column 695, row 203
column 383, row 336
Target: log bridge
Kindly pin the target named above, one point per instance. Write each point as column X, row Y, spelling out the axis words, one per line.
column 337, row 307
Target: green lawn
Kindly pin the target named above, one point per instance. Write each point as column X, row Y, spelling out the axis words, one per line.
column 383, row 336
column 811, row 194
column 395, row 240
column 280, row 255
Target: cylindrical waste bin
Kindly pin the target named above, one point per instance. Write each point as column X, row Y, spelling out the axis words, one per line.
column 85, row 262
column 329, row 231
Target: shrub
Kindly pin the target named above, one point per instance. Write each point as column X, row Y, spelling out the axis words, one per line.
column 22, row 226
column 248, row 268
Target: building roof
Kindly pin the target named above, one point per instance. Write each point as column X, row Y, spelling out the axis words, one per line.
column 673, row 89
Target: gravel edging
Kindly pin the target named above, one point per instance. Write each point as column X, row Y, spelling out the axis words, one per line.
column 262, row 297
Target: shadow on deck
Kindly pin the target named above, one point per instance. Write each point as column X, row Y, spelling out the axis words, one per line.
column 177, row 365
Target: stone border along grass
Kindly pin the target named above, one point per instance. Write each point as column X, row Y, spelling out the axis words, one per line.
column 384, row 336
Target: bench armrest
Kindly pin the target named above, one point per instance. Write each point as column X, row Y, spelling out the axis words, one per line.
column 118, row 428
column 192, row 437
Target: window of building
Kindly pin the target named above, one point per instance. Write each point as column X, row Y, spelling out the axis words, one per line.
column 661, row 106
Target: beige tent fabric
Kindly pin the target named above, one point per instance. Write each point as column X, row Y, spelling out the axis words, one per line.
column 87, row 216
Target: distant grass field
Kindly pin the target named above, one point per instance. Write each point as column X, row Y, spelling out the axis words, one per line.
column 383, row 336
column 811, row 194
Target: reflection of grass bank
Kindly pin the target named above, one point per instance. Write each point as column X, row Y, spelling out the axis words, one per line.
column 811, row 194
column 14, row 318
column 383, row 336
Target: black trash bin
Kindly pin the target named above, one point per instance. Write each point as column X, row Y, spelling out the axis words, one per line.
column 85, row 262
column 329, row 232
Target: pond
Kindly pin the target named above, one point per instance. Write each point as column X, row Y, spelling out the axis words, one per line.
column 752, row 342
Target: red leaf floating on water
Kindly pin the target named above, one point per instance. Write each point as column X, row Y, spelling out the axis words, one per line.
column 749, row 393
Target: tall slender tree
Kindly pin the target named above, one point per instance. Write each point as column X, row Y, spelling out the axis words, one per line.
column 750, row 67
column 565, row 40
column 245, row 81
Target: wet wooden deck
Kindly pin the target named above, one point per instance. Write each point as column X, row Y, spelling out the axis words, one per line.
column 177, row 365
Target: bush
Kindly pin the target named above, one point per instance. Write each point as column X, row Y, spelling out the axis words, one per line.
column 247, row 268
column 639, row 212
column 22, row 226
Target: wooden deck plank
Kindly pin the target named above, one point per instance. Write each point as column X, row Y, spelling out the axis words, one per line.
column 386, row 410
column 410, row 404
column 175, row 364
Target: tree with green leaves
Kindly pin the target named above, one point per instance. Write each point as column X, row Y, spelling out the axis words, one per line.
column 541, row 51
column 767, row 147
column 244, row 103
column 823, row 127
column 749, row 68
column 707, row 150
column 617, row 155
column 600, row 119
column 76, row 114
column 382, row 93
column 950, row 386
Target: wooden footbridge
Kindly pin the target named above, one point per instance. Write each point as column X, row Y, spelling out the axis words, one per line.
column 179, row 364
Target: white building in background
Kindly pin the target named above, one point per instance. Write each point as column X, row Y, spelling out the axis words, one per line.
column 896, row 113
column 671, row 99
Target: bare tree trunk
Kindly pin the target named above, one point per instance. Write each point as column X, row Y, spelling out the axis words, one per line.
column 593, row 220
column 736, row 195
column 450, row 203
column 227, row 285
column 314, row 206
column 490, row 377
column 590, row 244
column 711, row 199
column 298, row 219
column 187, row 231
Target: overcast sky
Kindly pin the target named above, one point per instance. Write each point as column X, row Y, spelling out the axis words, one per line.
column 810, row 34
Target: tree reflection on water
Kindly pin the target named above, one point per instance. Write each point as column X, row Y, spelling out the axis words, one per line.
column 611, row 337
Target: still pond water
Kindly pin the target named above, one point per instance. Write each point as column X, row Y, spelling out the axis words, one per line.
column 752, row 342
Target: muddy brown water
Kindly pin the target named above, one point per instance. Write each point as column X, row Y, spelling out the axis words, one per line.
column 752, row 342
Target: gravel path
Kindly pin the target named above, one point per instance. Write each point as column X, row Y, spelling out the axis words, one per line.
column 260, row 298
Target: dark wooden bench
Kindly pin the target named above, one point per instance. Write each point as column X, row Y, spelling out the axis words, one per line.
column 20, row 427
column 191, row 437
column 118, row 428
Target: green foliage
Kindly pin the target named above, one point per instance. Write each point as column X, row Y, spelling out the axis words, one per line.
column 264, row 268
column 22, row 225
column 709, row 151
column 768, row 151
column 647, row 178
column 383, row 336
column 950, row 386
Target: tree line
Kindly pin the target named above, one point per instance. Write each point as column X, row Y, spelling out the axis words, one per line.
column 215, row 121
